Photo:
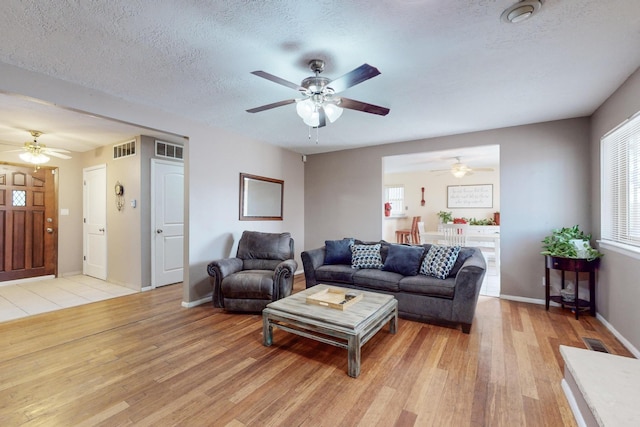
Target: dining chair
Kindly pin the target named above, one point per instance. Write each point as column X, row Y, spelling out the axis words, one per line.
column 418, row 237
column 412, row 235
column 455, row 234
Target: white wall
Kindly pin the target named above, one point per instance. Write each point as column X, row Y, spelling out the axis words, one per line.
column 544, row 184
column 213, row 161
column 617, row 293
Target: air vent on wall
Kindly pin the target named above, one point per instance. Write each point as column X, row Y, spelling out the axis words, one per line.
column 126, row 149
column 169, row 150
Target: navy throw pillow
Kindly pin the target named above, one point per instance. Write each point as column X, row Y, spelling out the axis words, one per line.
column 338, row 251
column 403, row 259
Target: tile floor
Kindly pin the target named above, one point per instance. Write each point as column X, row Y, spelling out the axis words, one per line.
column 33, row 297
column 491, row 284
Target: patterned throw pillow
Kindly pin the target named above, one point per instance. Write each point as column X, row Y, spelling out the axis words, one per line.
column 366, row 256
column 439, row 261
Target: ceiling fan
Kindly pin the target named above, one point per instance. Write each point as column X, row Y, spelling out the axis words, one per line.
column 319, row 101
column 36, row 153
column 459, row 169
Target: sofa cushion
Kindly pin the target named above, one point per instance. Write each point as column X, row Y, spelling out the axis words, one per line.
column 439, row 261
column 366, row 256
column 377, row 280
column 404, row 259
column 465, row 252
column 257, row 245
column 428, row 286
column 335, row 273
column 338, row 251
column 250, row 284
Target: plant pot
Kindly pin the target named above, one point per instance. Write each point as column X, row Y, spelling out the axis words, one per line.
column 582, row 247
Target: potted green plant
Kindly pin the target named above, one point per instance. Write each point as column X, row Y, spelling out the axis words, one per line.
column 569, row 242
column 445, row 217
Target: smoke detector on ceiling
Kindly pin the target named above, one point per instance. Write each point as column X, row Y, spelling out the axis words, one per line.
column 521, row 11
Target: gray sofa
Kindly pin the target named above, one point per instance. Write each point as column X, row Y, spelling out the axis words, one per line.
column 421, row 297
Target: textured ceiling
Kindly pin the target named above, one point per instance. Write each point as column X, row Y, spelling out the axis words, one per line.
column 447, row 66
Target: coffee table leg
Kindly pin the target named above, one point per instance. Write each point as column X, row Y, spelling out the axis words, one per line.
column 354, row 356
column 267, row 330
column 393, row 324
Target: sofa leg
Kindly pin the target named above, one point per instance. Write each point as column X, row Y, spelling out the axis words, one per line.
column 466, row 327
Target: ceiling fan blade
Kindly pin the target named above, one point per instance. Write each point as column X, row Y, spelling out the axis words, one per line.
column 57, row 150
column 270, row 106
column 278, row 80
column 354, row 77
column 482, row 169
column 56, row 154
column 363, row 106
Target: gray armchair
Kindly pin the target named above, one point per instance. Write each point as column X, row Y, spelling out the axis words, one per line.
column 261, row 272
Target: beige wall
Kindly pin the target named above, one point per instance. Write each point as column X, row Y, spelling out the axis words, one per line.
column 544, row 177
column 618, row 290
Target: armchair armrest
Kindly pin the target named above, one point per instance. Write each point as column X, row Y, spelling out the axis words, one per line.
column 218, row 270
column 283, row 278
column 311, row 260
column 468, row 284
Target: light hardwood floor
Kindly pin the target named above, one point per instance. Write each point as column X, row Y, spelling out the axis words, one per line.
column 144, row 360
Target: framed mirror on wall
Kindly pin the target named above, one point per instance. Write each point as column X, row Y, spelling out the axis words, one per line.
column 260, row 198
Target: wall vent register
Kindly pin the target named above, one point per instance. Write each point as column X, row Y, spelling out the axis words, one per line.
column 126, row 149
column 169, row 150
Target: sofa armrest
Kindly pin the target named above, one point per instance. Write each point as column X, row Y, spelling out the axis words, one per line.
column 311, row 260
column 468, row 283
column 283, row 278
column 218, row 270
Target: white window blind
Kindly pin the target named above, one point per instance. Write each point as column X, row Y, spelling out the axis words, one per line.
column 620, row 179
column 395, row 195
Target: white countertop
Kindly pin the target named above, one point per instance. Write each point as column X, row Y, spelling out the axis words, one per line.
column 610, row 384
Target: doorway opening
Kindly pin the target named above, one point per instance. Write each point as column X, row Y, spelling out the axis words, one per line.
column 431, row 180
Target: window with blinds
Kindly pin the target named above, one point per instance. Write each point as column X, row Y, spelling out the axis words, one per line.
column 395, row 196
column 620, row 184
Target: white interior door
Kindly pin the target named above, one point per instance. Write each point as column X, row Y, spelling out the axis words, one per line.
column 167, row 193
column 94, row 196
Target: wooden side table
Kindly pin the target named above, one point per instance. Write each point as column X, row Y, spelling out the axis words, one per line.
column 577, row 265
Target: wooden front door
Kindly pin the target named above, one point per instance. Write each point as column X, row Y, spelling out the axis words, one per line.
column 28, row 222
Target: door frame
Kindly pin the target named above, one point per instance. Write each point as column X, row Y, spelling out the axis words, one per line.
column 152, row 203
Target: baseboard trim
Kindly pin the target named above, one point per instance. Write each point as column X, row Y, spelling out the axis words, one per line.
column 619, row 336
column 27, row 280
column 573, row 403
column 191, row 304
column 522, row 299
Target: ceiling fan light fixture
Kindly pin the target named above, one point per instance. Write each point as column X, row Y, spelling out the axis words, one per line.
column 458, row 173
column 36, row 159
column 521, row 11
column 332, row 111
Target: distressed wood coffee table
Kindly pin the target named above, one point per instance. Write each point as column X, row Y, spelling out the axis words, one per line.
column 349, row 329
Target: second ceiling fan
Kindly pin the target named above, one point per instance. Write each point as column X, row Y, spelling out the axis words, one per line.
column 459, row 169
column 320, row 101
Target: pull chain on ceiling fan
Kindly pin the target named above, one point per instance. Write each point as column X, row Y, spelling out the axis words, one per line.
column 320, row 102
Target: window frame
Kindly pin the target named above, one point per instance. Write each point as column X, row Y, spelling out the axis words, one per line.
column 395, row 213
column 620, row 188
